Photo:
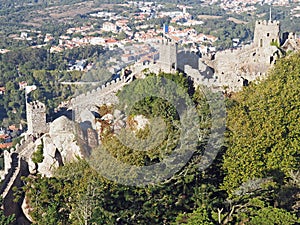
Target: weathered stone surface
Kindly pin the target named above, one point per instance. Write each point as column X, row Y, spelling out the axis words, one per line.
column 118, row 125
column 26, row 209
column 50, row 162
column 47, row 166
column 61, row 125
column 92, row 138
column 141, row 122
column 117, row 113
column 49, row 147
column 59, row 147
column 31, row 166
column 108, row 117
column 63, row 136
column 87, row 115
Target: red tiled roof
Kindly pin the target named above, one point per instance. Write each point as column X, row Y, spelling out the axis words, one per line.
column 5, row 145
column 110, row 40
column 175, row 38
column 3, row 136
column 13, row 127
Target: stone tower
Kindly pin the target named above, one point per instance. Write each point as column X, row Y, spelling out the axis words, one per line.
column 36, row 117
column 266, row 32
column 168, row 55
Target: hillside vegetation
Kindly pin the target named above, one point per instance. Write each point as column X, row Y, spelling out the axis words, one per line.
column 263, row 124
column 260, row 166
column 255, row 178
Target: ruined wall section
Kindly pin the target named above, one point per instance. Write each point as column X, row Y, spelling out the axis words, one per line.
column 229, row 81
column 13, row 170
column 254, row 58
column 245, row 60
column 240, row 60
column 187, row 58
column 13, row 179
column 227, row 61
column 9, row 205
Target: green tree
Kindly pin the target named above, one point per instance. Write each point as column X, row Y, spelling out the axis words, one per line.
column 87, row 197
column 199, row 216
column 271, row 215
column 263, row 132
column 37, row 156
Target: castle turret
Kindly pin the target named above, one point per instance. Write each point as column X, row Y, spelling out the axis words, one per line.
column 265, row 33
column 168, row 55
column 36, row 117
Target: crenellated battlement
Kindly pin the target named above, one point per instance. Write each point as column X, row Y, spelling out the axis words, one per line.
column 37, row 105
column 267, row 23
column 233, row 68
column 266, row 32
column 168, row 54
column 99, row 96
column 167, row 42
column 98, row 91
column 227, row 52
column 11, row 174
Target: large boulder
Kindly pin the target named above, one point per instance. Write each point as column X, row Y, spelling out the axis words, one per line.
column 50, row 160
column 60, row 146
column 88, row 116
column 63, row 135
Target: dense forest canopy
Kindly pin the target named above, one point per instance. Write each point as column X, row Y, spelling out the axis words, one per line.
column 117, row 202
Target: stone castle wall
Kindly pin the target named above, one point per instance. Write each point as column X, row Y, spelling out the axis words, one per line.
column 226, row 68
column 13, row 179
column 102, row 95
column 256, row 57
column 187, row 58
column 230, row 81
column 232, row 60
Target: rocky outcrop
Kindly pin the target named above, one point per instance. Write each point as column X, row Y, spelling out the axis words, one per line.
column 60, row 146
column 63, row 135
column 26, row 209
column 64, row 143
